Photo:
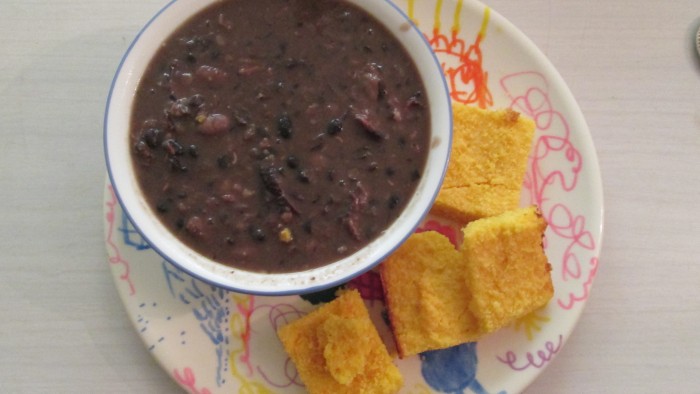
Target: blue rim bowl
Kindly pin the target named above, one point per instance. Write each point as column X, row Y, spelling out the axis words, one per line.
column 122, row 176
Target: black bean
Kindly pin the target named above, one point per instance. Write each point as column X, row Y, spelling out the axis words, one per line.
column 415, row 175
column 193, row 150
column 271, row 179
column 195, row 101
column 163, row 207
column 307, row 226
column 303, row 176
column 335, row 126
column 284, row 126
column 393, row 201
column 292, row 162
column 152, row 137
column 223, row 161
column 257, row 234
column 191, row 58
column 177, row 165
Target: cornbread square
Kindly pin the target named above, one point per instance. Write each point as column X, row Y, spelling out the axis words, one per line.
column 507, row 270
column 487, row 164
column 336, row 349
column 426, row 295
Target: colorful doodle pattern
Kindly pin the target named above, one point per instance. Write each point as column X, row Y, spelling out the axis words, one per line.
column 212, row 340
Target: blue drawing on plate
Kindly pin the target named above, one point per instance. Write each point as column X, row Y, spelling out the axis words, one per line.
column 209, row 307
column 452, row 370
column 131, row 236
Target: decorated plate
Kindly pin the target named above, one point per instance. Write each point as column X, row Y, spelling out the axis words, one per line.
column 214, row 341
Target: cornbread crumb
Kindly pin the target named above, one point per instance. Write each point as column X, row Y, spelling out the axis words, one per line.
column 426, row 295
column 487, row 165
column 336, row 349
column 507, row 270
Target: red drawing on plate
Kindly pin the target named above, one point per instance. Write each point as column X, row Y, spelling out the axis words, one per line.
column 188, row 380
column 529, row 94
column 463, row 67
column 537, row 359
column 258, row 370
column 115, row 257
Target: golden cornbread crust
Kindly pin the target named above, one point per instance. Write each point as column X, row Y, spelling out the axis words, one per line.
column 471, row 202
column 438, row 297
column 487, row 165
column 426, row 295
column 337, row 349
column 507, row 270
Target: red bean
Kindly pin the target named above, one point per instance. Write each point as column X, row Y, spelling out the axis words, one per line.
column 215, row 124
column 195, row 225
column 211, row 74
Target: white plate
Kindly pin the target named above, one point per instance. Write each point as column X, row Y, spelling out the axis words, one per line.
column 214, row 341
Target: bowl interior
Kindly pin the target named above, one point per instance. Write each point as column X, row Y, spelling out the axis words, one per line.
column 123, row 178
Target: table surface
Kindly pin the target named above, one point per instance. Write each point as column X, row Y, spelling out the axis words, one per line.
column 630, row 65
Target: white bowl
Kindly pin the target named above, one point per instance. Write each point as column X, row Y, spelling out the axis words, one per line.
column 123, row 178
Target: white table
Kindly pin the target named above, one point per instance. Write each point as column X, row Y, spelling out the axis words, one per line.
column 628, row 63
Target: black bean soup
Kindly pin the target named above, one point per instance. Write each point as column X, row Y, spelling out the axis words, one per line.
column 279, row 135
